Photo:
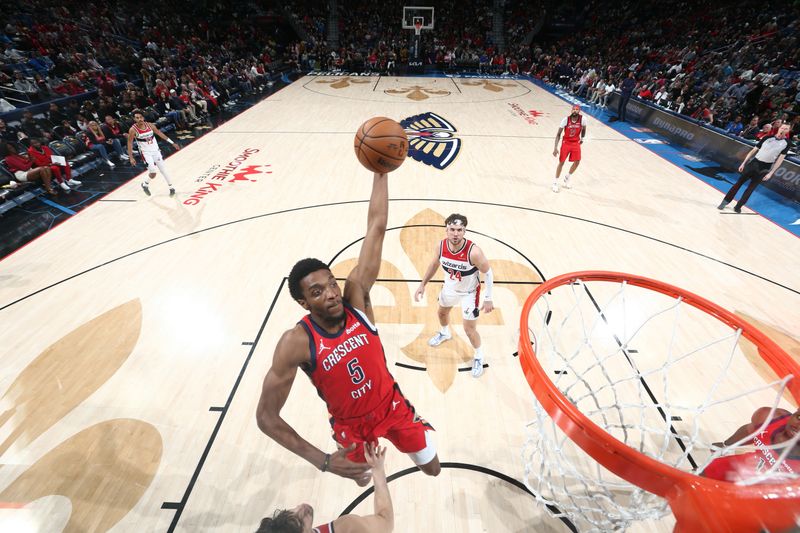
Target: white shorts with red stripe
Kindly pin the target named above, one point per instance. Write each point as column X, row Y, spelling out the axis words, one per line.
column 470, row 301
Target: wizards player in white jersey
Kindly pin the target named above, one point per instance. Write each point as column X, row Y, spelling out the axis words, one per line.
column 462, row 261
column 145, row 135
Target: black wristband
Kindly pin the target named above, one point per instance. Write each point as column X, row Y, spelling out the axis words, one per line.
column 326, row 463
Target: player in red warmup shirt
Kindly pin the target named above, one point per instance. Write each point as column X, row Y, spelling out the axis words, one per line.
column 338, row 347
column 782, row 428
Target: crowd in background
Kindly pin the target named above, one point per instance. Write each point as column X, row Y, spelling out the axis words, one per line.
column 732, row 66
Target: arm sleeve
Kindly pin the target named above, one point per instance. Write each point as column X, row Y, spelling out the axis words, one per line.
column 489, row 285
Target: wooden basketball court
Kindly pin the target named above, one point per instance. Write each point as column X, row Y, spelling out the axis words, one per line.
column 135, row 337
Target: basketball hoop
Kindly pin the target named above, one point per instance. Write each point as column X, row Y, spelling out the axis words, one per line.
column 607, row 447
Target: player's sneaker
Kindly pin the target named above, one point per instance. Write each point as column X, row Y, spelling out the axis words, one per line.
column 146, row 189
column 722, row 206
column 477, row 368
column 566, row 183
column 172, row 191
column 439, row 338
column 738, row 209
column 555, row 186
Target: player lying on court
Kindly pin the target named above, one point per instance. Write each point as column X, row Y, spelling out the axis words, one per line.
column 301, row 518
column 781, row 430
column 338, row 347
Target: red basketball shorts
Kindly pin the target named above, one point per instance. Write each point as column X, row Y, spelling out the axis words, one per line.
column 571, row 149
column 401, row 426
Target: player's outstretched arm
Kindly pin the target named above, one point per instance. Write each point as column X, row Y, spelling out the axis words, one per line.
column 291, row 351
column 477, row 258
column 363, row 276
column 431, row 270
column 161, row 134
column 383, row 519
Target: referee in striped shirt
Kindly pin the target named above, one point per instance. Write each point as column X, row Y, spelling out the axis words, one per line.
column 760, row 164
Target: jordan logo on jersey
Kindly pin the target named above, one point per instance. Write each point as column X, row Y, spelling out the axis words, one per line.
column 322, row 347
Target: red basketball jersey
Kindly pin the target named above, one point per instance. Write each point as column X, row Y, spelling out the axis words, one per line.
column 348, row 368
column 460, row 274
column 324, row 528
column 748, row 465
column 572, row 131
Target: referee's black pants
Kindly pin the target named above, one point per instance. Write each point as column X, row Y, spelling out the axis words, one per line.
column 754, row 171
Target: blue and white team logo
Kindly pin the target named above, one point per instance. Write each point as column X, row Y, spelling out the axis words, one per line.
column 431, row 140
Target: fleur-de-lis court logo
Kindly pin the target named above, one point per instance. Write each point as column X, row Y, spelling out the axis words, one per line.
column 417, row 238
column 417, row 92
column 103, row 469
column 342, row 83
column 490, row 85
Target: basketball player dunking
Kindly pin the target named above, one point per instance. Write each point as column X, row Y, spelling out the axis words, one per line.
column 144, row 133
column 782, row 428
column 338, row 347
column 461, row 260
column 574, row 131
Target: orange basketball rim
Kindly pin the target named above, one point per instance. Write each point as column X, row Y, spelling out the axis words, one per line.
column 699, row 504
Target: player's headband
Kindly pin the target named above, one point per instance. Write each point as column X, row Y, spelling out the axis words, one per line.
column 456, row 222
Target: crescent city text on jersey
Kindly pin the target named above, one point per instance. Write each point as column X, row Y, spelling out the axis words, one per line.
column 347, row 346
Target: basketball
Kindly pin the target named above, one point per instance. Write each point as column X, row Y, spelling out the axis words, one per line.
column 381, row 144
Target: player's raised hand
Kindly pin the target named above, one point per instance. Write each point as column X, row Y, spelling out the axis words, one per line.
column 375, row 455
column 342, row 466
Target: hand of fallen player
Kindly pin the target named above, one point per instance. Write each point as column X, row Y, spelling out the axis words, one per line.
column 342, row 466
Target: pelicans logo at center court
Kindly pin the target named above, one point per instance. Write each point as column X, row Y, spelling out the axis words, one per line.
column 431, row 140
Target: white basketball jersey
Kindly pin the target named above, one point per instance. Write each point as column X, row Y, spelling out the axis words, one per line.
column 460, row 274
column 146, row 139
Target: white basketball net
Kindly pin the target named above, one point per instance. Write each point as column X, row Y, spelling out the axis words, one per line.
column 640, row 365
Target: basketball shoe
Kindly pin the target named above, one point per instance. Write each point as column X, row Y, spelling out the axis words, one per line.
column 439, row 338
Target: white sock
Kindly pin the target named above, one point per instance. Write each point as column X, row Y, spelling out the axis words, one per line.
column 146, row 181
column 566, row 177
column 479, row 353
column 445, row 330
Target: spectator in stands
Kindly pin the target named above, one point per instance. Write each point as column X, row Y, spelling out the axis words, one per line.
column 22, row 167
column 32, row 128
column 26, row 86
column 42, row 156
column 607, row 92
column 55, row 115
column 178, row 104
column 81, row 122
column 12, row 54
column 765, row 131
column 165, row 108
column 9, row 134
column 114, row 130
column 68, row 130
column 735, row 126
column 98, row 142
